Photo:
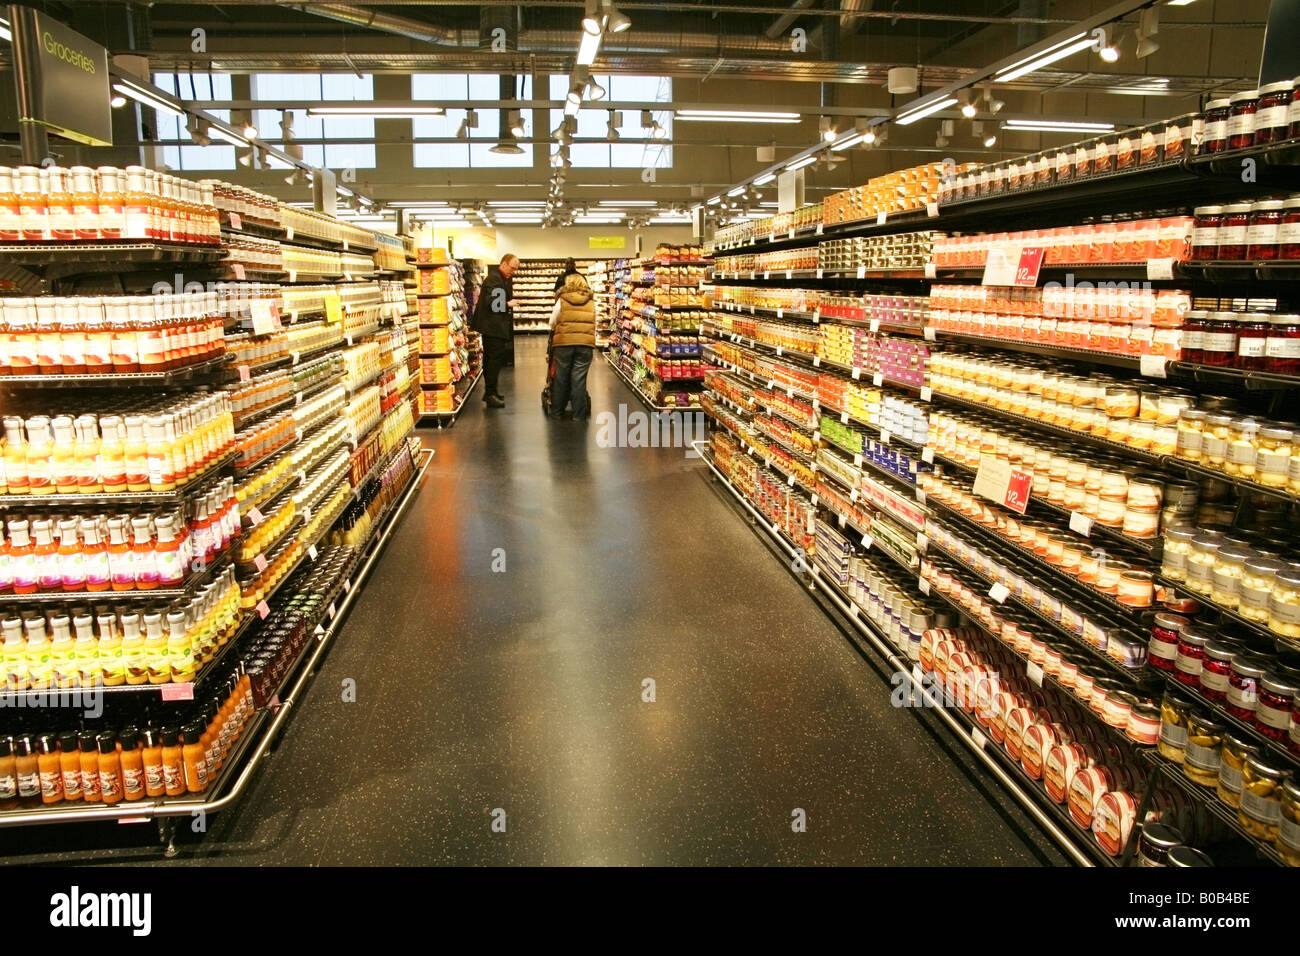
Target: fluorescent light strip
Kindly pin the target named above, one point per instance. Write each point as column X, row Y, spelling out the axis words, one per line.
column 516, row 202
column 736, row 191
column 921, row 112
column 764, row 180
column 587, row 48
column 849, row 141
column 736, row 116
column 715, row 200
column 806, row 161
column 628, row 202
column 381, row 112
column 5, row 32
column 1064, row 126
column 233, row 138
column 420, row 203
column 1066, row 48
column 669, row 221
column 148, row 98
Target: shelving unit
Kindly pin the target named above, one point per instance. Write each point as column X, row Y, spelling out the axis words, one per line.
column 534, row 288
column 449, row 352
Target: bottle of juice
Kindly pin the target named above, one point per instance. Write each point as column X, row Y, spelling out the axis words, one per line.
column 48, row 575
column 15, row 454
column 86, row 649
column 6, row 566
column 134, row 655
column 173, row 761
column 10, row 223
column 110, row 768
column 111, row 662
column 178, row 465
column 33, row 205
column 40, row 665
column 39, row 452
column 143, row 555
column 111, row 199
column 167, row 554
column 70, row 765
column 154, row 780
column 85, row 203
column 153, row 353
column 8, row 774
column 28, row 770
column 20, row 314
column 95, row 556
column 132, row 758
column 86, row 454
column 155, row 649
column 180, row 651
column 72, row 338
column 47, row 766
column 49, row 349
column 99, row 335
column 88, row 756
column 112, row 453
column 121, row 559
column 15, row 654
column 63, row 464
column 63, row 218
column 71, row 559
column 196, row 766
column 137, row 454
column 63, row 653
column 211, row 743
column 162, row 476
column 125, row 349
column 138, row 206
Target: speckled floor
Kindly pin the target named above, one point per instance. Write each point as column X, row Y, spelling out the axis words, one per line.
column 521, row 690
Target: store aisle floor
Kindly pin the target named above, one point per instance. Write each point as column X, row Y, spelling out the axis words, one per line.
column 500, row 651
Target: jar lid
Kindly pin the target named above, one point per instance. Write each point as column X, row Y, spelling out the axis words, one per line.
column 1197, row 635
column 1290, row 575
column 1195, row 414
column 1161, row 835
column 1278, row 87
column 1280, row 683
column 1276, row 434
column 1266, row 204
column 1248, row 666
column 1236, row 552
column 1263, row 765
column 1217, row 105
column 1187, row 856
column 1206, row 723
column 1243, row 745
column 1243, row 96
column 1292, row 203
column 1219, row 418
column 1220, row 651
column 1207, row 210
column 1237, row 207
column 1263, row 565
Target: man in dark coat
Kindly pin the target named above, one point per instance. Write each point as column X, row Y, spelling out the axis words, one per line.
column 494, row 321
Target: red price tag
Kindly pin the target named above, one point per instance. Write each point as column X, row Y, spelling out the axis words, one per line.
column 255, row 517
column 244, row 374
column 1017, row 496
column 238, row 270
column 235, row 221
column 1031, row 261
column 259, row 562
column 263, row 610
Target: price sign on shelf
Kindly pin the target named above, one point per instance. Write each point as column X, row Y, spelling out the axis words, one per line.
column 255, row 517
column 1160, row 268
column 1034, row 672
column 177, row 691
column 244, row 373
column 1152, row 366
column 238, row 270
column 878, row 379
column 235, row 221
column 1080, row 523
column 311, row 552
column 259, row 562
column 997, row 481
column 999, row 592
column 263, row 610
column 875, row 325
column 266, row 316
column 1011, row 264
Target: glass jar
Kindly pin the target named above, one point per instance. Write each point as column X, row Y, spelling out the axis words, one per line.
column 1206, row 222
column 1284, row 604
column 1200, row 563
column 1264, row 233
column 1219, row 340
column 1155, row 842
column 1163, row 646
column 1273, row 709
column 1191, row 434
column 1242, row 108
column 1214, row 446
column 1177, row 548
column 1282, row 347
column 1233, row 751
column 1274, row 447
column 1216, row 126
column 1288, row 231
column 1232, row 233
column 1174, row 714
column 1261, row 786
column 1252, row 339
column 1136, row 589
column 1216, row 670
column 1288, row 831
column 1229, row 567
column 1201, row 757
column 1144, row 724
column 1243, row 686
column 1257, row 588
column 1272, row 118
column 1191, row 652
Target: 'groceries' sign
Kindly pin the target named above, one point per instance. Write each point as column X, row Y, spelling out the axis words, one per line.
column 68, row 80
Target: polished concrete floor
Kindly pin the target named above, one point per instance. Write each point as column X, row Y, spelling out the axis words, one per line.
column 501, row 651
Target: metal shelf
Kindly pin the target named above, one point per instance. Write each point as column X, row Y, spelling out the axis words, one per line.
column 244, row 421
column 246, row 470
column 120, row 379
column 144, row 499
column 1131, row 363
column 1251, row 381
column 1253, row 627
column 645, row 399
column 186, row 589
column 270, row 552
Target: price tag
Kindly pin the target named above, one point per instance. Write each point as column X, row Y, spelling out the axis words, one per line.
column 266, row 316
column 923, row 585
column 780, row 313
column 920, row 496
column 875, row 325
column 259, row 562
column 790, row 481
column 1160, row 268
column 880, row 218
column 311, row 551
column 814, row 501
column 319, row 632
column 930, row 271
column 771, row 237
column 928, row 333
column 999, row 592
column 1034, row 672
column 817, row 361
column 235, row 221
column 820, row 229
column 853, row 496
column 844, row 418
column 857, row 461
column 789, row 393
column 817, row 316
column 1152, row 366
column 771, row 384
column 1011, row 264
column 922, row 542
column 255, row 517
column 244, row 373
column 333, row 610
column 791, row 233
column 293, row 275
column 333, row 308
column 862, row 272
column 927, row 455
column 817, row 436
column 878, row 379
column 866, row 541
column 932, row 210
column 821, row 273
column 177, row 691
column 926, row 394
column 288, row 232
column 263, row 610
column 885, row 436
column 767, row 274
column 780, row 350
column 788, row 274
column 997, row 481
column 857, row 373
column 978, row 738
column 238, row 270
column 843, row 520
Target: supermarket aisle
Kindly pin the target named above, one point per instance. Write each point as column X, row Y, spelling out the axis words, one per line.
column 519, row 686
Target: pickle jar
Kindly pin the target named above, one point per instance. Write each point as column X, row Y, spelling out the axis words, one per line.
column 1257, row 588
column 1273, row 706
column 1229, row 567
column 1191, row 434
column 1243, row 436
column 1288, row 831
column 1214, row 446
column 1177, row 548
column 1274, row 447
column 1201, row 757
column 1174, row 714
column 1284, row 604
column 1261, row 789
column 1233, row 751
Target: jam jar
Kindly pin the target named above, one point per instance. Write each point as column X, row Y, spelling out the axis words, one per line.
column 1261, row 787
column 1265, row 230
column 1232, row 233
column 1272, row 118
column 1206, row 222
column 1243, row 686
column 1252, row 340
column 1284, row 605
column 1288, row 232
column 1288, row 831
column 1216, row 670
column 1201, row 757
column 1273, row 709
column 1219, row 340
column 1216, row 126
column 1242, row 109
column 1282, row 350
column 1233, row 752
column 1163, row 646
column 1191, row 652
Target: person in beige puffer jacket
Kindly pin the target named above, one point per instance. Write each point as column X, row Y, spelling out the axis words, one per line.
column 573, row 336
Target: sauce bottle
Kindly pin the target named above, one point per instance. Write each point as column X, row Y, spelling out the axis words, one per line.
column 86, row 649
column 153, row 350
column 72, row 338
column 139, row 224
column 155, row 784
column 168, row 558
column 22, row 558
column 49, row 349
column 71, row 558
column 98, row 576
column 134, row 654
column 132, row 758
column 155, row 648
column 121, row 560
column 33, row 208
column 125, row 350
column 142, row 554
column 85, row 203
column 40, row 666
column 162, row 474
column 112, row 205
column 180, row 649
column 15, row 654
column 6, row 566
column 10, row 222
column 48, row 575
column 210, row 741
column 112, row 453
column 111, row 661
column 70, row 765
column 86, row 455
column 8, row 774
column 110, row 768
column 196, row 769
column 63, row 653
column 27, row 770
column 49, row 769
column 63, row 217
column 88, row 757
column 15, row 455
column 20, row 314
column 173, row 761
column 137, row 454
column 39, row 453
column 63, row 464
column 99, row 335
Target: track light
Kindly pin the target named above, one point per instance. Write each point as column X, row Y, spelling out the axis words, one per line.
column 1148, row 27
column 592, row 22
column 990, row 140
column 1107, row 48
column 117, row 101
column 595, row 91
column 968, row 108
column 612, row 136
column 250, row 131
column 575, row 95
column 616, row 20
column 647, row 119
column 993, row 104
column 940, row 140
column 658, row 132
column 515, row 122
column 828, row 132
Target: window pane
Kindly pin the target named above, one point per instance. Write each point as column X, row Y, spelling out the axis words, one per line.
column 472, row 86
column 320, row 86
column 442, row 155
column 593, row 122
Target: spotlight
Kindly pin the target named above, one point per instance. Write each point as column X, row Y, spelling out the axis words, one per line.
column 612, row 136
column 595, row 91
column 1109, row 50
column 658, row 132
column 593, row 22
column 941, row 141
column 250, row 131
column 828, row 132
column 575, row 95
column 994, row 104
column 869, row 138
column 968, row 108
column 616, row 20
column 118, row 101
column 990, row 140
column 1148, row 27
column 516, row 123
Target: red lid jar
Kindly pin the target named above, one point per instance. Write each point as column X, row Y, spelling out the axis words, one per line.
column 1264, row 232
column 1216, row 126
column 1253, row 329
column 1242, row 110
column 1205, row 232
column 1232, row 232
column 1219, row 340
column 1272, row 118
column 1193, row 332
column 1163, row 647
column 1273, row 710
column 1282, row 351
column 1288, row 230
column 1216, row 670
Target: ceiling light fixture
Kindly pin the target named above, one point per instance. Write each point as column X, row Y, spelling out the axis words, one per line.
column 968, row 108
column 117, row 101
column 594, row 91
column 507, row 146
column 1036, row 61
column 921, row 112
column 515, row 122
column 736, row 116
column 990, row 140
column 1056, row 126
column 764, row 179
column 155, row 99
column 250, row 131
column 851, row 140
column 588, row 47
column 992, row 102
column 800, row 164
column 1108, row 50
column 1148, row 27
column 379, row 112
column 228, row 136
column 593, row 23
column 658, row 132
column 615, row 20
